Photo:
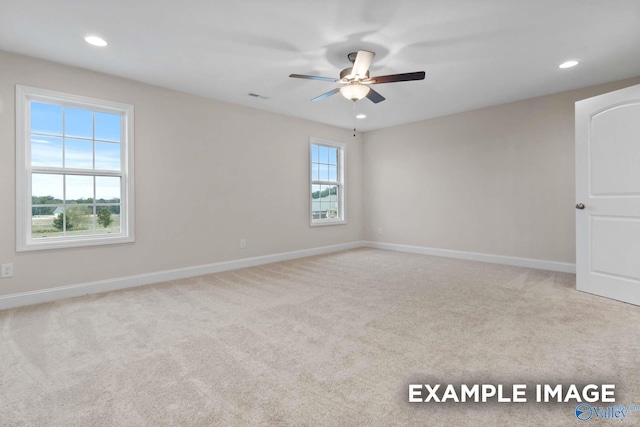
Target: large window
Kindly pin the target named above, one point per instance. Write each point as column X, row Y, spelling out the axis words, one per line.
column 74, row 170
column 327, row 182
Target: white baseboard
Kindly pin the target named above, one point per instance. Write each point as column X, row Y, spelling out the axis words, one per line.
column 53, row 294
column 563, row 267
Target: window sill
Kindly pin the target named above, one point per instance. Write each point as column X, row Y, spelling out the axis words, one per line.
column 322, row 223
column 53, row 243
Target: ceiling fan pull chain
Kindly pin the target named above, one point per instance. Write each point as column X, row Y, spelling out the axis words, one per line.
column 354, row 119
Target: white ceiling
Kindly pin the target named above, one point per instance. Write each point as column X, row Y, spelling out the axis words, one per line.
column 475, row 53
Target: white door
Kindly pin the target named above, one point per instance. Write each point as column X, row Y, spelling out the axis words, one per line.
column 608, row 195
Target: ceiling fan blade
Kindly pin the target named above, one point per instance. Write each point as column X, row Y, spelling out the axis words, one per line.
column 326, row 95
column 303, row 76
column 374, row 96
column 404, row 77
column 362, row 63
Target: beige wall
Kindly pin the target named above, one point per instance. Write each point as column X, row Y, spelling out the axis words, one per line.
column 207, row 174
column 498, row 180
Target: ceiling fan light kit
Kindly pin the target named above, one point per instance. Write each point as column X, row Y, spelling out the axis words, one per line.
column 356, row 79
column 354, row 91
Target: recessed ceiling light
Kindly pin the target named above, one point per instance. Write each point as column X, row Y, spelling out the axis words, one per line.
column 96, row 41
column 569, row 64
column 361, row 116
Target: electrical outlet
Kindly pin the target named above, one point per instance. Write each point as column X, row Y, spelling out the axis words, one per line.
column 7, row 270
column 243, row 243
column 380, row 231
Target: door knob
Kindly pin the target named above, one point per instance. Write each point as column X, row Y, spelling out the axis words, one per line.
column 580, row 206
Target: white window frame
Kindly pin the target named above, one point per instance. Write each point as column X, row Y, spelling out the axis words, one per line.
column 24, row 241
column 342, row 157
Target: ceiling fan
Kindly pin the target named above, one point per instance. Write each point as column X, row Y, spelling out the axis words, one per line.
column 356, row 80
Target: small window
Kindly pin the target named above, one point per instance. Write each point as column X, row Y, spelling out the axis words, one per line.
column 74, row 170
column 327, row 182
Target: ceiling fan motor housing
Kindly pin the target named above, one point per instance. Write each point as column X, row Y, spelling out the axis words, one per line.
column 347, row 72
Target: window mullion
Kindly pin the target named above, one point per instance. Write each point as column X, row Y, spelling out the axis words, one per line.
column 87, row 172
column 64, row 199
column 64, row 138
column 325, row 182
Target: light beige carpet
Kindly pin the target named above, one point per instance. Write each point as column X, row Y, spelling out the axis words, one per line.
column 327, row 340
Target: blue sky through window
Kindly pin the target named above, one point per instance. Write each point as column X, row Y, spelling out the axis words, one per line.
column 46, row 151
column 107, row 126
column 107, row 156
column 46, row 118
column 79, row 187
column 78, row 122
column 78, row 153
column 47, row 185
